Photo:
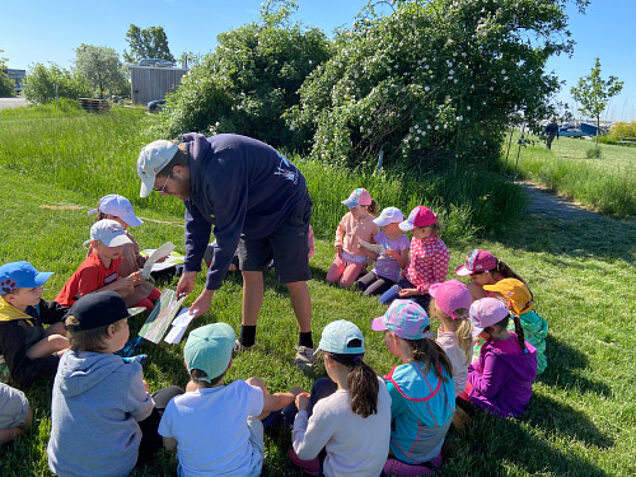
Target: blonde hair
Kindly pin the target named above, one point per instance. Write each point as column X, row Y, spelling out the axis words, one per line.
column 463, row 331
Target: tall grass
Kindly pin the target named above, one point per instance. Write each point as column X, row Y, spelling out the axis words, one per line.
column 96, row 155
column 607, row 184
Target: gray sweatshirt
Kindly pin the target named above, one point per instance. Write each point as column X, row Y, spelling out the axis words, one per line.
column 97, row 401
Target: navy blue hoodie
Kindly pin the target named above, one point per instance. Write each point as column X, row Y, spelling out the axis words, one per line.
column 239, row 185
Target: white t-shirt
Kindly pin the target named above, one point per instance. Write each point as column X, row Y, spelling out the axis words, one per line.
column 356, row 447
column 447, row 340
column 210, row 427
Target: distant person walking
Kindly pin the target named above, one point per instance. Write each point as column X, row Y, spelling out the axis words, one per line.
column 552, row 130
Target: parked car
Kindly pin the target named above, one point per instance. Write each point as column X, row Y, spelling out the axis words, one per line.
column 570, row 130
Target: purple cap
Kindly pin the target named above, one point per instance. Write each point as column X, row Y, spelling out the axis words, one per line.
column 487, row 312
column 360, row 196
column 452, row 297
column 477, row 261
column 406, row 319
column 420, row 216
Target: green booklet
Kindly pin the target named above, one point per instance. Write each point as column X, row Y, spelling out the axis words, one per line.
column 161, row 316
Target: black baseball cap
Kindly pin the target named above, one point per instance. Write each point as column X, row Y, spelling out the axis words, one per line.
column 97, row 309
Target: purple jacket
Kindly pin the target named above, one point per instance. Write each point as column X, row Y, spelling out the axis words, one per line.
column 242, row 187
column 502, row 379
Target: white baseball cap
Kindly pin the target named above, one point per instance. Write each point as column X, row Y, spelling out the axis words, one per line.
column 118, row 206
column 152, row 158
column 110, row 233
column 390, row 215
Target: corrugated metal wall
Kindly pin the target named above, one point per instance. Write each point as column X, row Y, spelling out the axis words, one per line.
column 149, row 83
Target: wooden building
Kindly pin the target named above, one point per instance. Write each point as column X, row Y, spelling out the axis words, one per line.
column 149, row 83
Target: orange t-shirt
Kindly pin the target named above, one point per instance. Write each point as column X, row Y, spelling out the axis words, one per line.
column 90, row 276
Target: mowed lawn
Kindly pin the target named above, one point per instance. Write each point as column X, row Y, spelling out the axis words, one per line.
column 607, row 184
column 582, row 417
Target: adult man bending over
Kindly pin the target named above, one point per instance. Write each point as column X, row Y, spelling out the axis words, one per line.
column 255, row 199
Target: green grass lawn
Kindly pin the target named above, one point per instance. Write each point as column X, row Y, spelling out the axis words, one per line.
column 607, row 184
column 582, row 417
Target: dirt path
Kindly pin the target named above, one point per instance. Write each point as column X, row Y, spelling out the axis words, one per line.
column 544, row 203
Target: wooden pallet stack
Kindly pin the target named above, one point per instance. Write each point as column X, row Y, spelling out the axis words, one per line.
column 94, row 105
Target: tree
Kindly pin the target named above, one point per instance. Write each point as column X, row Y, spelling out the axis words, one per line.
column 39, row 84
column 101, row 67
column 593, row 92
column 7, row 86
column 150, row 42
column 249, row 81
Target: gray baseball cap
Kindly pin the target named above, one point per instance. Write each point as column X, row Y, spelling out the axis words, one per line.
column 152, row 158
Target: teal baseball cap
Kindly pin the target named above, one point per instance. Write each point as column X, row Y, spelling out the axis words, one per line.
column 341, row 337
column 209, row 348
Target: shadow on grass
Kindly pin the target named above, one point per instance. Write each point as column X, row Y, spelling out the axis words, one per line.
column 600, row 238
column 516, row 449
column 563, row 363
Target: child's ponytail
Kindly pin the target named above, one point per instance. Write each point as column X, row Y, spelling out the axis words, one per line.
column 464, row 334
column 373, row 207
column 507, row 272
column 429, row 353
column 362, row 382
column 519, row 331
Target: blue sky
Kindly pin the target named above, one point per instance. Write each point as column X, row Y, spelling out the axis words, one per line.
column 45, row 30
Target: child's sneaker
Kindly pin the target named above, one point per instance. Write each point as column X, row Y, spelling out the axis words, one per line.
column 311, row 467
column 140, row 358
column 395, row 468
column 304, row 357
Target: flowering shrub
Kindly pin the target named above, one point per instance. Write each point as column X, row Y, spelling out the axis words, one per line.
column 249, row 81
column 432, row 81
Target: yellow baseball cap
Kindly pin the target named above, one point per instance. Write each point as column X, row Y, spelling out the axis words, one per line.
column 516, row 291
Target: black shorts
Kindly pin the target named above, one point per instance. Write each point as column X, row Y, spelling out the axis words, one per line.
column 288, row 246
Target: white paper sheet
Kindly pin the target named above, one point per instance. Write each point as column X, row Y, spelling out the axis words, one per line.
column 374, row 247
column 184, row 318
column 175, row 335
column 158, row 254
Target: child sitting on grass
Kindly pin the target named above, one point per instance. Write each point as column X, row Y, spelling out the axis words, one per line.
column 501, row 381
column 450, row 302
column 518, row 298
column 342, row 428
column 118, row 208
column 389, row 264
column 102, row 418
column 351, row 257
column 30, row 351
column 217, row 429
column 15, row 413
column 100, row 270
column 484, row 269
column 421, row 390
column 428, row 262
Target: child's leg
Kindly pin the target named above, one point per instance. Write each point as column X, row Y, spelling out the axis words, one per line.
column 336, row 269
column 154, row 294
column 390, row 295
column 15, row 413
column 378, row 287
column 366, row 281
column 256, row 440
column 350, row 273
column 47, row 346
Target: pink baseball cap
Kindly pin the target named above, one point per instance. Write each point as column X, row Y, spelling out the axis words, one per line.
column 420, row 216
column 452, row 297
column 406, row 319
column 360, row 196
column 487, row 312
column 477, row 261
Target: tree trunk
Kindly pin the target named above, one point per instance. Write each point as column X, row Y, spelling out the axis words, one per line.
column 598, row 127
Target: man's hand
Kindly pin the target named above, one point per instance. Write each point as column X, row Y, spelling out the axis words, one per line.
column 186, row 284
column 202, row 304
